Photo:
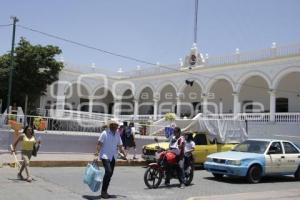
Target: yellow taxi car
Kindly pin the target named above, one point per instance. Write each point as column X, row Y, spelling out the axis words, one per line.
column 203, row 147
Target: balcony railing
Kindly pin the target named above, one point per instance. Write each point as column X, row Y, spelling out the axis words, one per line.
column 230, row 59
column 258, row 117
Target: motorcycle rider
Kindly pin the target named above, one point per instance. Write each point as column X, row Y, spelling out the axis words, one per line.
column 189, row 147
column 177, row 146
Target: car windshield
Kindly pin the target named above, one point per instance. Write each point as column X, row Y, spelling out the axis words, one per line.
column 252, row 146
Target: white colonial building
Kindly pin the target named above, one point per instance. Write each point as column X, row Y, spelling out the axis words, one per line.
column 259, row 83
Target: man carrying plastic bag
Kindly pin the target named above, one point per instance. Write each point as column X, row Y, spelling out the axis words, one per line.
column 107, row 148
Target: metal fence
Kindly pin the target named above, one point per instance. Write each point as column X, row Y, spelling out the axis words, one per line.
column 84, row 124
column 45, row 124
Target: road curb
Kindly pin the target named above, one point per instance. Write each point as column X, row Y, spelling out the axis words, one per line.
column 292, row 194
column 77, row 163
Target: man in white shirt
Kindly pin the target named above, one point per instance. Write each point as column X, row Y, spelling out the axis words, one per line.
column 107, row 148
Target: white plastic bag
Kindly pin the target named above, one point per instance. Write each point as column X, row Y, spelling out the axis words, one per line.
column 93, row 176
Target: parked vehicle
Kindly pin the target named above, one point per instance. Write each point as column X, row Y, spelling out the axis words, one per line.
column 203, row 148
column 255, row 159
column 156, row 171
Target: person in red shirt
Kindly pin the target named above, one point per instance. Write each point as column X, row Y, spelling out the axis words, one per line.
column 177, row 146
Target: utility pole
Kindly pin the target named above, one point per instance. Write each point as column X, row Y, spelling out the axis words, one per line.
column 196, row 21
column 15, row 20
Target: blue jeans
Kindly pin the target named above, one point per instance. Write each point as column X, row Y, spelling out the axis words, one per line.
column 109, row 170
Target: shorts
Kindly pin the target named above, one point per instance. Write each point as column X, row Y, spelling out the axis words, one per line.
column 26, row 155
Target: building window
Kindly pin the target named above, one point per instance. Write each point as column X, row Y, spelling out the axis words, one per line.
column 282, row 105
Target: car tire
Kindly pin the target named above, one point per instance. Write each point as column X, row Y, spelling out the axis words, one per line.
column 297, row 174
column 218, row 176
column 254, row 174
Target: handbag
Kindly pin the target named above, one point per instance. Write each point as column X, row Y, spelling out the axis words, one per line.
column 35, row 149
column 93, row 176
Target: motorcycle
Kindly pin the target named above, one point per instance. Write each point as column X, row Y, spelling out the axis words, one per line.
column 156, row 172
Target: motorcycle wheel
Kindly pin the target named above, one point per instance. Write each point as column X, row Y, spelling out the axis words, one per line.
column 189, row 175
column 152, row 177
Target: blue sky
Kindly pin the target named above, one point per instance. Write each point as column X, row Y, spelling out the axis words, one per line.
column 154, row 31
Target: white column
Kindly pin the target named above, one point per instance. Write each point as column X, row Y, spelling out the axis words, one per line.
column 60, row 106
column 91, row 101
column 178, row 104
column 61, row 97
column 136, row 108
column 236, row 103
column 117, row 107
column 60, row 103
column 272, row 105
column 204, row 103
column 155, row 109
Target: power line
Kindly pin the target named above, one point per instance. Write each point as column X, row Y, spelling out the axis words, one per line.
column 193, row 75
column 5, row 25
column 87, row 46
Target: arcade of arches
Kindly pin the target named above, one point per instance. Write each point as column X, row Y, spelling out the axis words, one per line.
column 252, row 94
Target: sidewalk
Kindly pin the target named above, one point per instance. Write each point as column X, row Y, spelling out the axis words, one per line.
column 69, row 156
column 64, row 160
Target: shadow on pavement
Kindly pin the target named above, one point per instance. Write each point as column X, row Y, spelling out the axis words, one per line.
column 238, row 180
column 90, row 197
column 171, row 186
column 16, row 180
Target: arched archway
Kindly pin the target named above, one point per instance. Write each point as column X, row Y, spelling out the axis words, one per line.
column 288, row 90
column 190, row 99
column 77, row 97
column 167, row 99
column 250, row 74
column 103, row 101
column 146, row 101
column 253, row 94
column 127, row 106
column 279, row 76
column 220, row 96
column 164, row 85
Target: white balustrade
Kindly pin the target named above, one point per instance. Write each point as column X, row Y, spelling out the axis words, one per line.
column 243, row 57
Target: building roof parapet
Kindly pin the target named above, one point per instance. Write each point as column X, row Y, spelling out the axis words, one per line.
column 274, row 52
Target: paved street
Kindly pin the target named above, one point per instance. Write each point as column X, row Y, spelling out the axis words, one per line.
column 127, row 183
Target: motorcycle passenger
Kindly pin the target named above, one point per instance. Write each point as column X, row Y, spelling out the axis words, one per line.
column 176, row 146
column 189, row 147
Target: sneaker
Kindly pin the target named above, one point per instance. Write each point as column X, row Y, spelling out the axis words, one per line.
column 167, row 183
column 29, row 179
column 181, row 186
column 105, row 196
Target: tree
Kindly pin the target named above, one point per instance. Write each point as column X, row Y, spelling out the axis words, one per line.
column 35, row 67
